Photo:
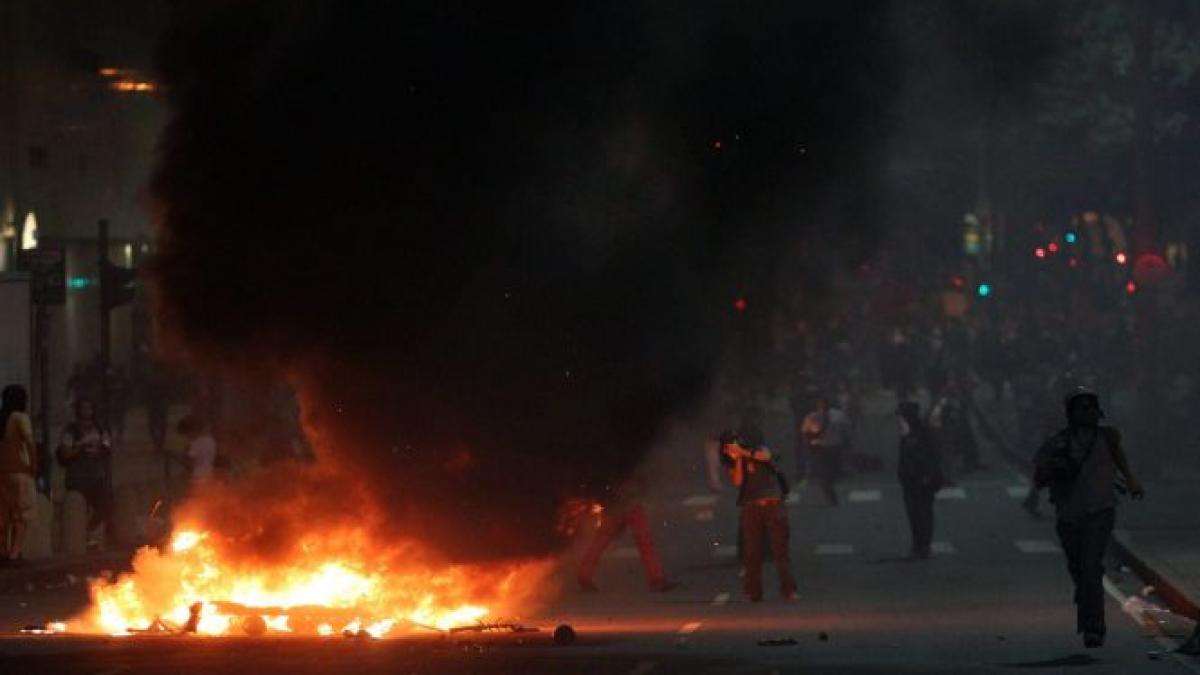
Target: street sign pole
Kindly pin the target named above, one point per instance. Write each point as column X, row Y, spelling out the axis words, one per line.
column 105, row 337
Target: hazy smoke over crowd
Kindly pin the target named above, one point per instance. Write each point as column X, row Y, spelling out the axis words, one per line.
column 493, row 248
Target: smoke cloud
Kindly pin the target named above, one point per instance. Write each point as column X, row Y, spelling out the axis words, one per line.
column 492, row 247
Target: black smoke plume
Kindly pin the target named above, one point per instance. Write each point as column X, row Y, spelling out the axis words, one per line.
column 494, row 245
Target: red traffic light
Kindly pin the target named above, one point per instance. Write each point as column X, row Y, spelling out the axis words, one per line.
column 740, row 304
column 1039, row 252
column 1130, row 287
column 1053, row 247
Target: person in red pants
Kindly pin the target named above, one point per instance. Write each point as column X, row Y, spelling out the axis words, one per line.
column 761, row 491
column 627, row 511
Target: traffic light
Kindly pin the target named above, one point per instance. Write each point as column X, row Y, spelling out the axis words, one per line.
column 983, row 290
column 118, row 285
column 1070, row 237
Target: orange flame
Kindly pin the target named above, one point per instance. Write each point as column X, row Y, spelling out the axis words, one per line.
column 337, row 582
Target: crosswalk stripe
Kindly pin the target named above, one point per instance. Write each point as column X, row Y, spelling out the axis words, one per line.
column 943, row 548
column 864, row 496
column 1018, row 491
column 1036, row 546
column 834, row 549
column 952, row 493
column 700, row 500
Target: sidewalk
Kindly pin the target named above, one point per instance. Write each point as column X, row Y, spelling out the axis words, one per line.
column 1159, row 539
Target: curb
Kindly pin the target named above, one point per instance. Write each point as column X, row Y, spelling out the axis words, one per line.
column 1176, row 597
column 52, row 573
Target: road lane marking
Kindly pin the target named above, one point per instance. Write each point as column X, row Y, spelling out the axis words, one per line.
column 835, row 549
column 1169, row 646
column 689, row 628
column 700, row 500
column 1018, row 491
column 952, row 493
column 704, row 516
column 625, row 553
column 643, row 668
column 1036, row 546
column 720, row 600
column 864, row 496
column 943, row 548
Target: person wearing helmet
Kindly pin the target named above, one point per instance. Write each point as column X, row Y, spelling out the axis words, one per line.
column 1080, row 465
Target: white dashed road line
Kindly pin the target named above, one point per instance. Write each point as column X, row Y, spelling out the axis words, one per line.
column 834, row 549
column 1036, row 546
column 624, row 553
column 952, row 493
column 1018, row 491
column 943, row 548
column 864, row 496
column 720, row 600
column 700, row 500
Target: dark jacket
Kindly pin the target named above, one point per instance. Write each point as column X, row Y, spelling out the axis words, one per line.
column 919, row 463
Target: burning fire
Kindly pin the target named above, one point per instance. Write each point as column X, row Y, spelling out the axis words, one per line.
column 334, row 583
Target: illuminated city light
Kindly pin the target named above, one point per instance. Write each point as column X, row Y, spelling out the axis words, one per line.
column 133, row 86
column 1130, row 287
column 1053, row 247
column 1039, row 252
column 1121, row 258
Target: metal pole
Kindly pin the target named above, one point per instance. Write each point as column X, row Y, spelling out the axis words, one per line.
column 105, row 337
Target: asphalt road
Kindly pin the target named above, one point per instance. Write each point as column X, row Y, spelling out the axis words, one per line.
column 994, row 598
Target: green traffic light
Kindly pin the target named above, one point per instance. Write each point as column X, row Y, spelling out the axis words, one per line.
column 984, row 290
column 78, row 283
column 1071, row 237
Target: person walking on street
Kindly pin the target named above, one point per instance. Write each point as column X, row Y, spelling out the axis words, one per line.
column 1080, row 465
column 920, row 472
column 827, row 431
column 761, row 491
column 18, row 466
column 85, row 452
column 625, row 511
column 201, row 453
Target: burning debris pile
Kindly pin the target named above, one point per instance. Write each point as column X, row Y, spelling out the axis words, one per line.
column 338, row 584
column 280, row 569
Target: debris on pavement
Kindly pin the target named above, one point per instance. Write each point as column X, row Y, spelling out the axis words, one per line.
column 564, row 635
